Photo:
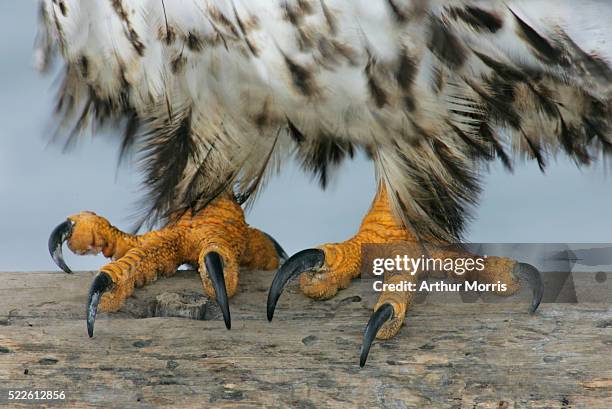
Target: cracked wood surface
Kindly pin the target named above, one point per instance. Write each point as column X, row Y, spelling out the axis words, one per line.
column 448, row 355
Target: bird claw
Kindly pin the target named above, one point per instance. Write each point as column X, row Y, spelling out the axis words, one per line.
column 101, row 284
column 280, row 251
column 214, row 267
column 303, row 261
column 531, row 275
column 383, row 314
column 58, row 237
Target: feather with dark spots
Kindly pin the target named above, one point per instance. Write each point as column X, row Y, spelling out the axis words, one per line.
column 63, row 9
column 409, row 103
column 488, row 134
column 438, row 79
column 306, row 39
column 252, row 48
column 445, row 44
column 444, row 206
column 399, row 14
column 453, row 166
column 169, row 34
column 323, row 153
column 249, row 192
column 497, row 104
column 302, row 78
column 596, row 128
column 508, row 75
column 539, row 44
column 194, row 42
column 347, row 52
column 218, row 17
column 330, row 19
column 477, row 18
column 545, row 99
column 196, row 198
column 503, row 70
column 61, row 38
column 597, row 66
column 330, row 56
column 535, row 151
column 570, row 140
column 129, row 137
column 241, row 25
column 478, row 146
column 295, row 133
column 130, row 32
column 92, row 109
column 292, row 14
column 446, row 201
column 377, row 93
column 168, row 150
column 243, row 30
column 305, row 6
column 502, row 90
column 136, row 43
column 262, row 119
column 591, row 63
column 178, row 63
column 599, row 122
column 369, row 151
column 406, row 71
column 84, row 66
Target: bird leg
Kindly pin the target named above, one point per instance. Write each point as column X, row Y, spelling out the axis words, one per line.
column 329, row 268
column 216, row 239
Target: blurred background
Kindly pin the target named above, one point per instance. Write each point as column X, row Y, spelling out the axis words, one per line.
column 40, row 186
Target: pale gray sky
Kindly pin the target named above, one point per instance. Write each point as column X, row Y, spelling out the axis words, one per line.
column 39, row 186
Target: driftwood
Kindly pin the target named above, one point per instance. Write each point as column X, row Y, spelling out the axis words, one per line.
column 448, row 355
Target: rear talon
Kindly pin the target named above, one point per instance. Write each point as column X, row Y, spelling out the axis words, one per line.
column 58, row 237
column 280, row 251
column 303, row 261
column 383, row 314
column 528, row 273
column 99, row 286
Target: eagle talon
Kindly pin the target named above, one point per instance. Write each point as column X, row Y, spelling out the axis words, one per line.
column 99, row 286
column 305, row 260
column 280, row 251
column 528, row 273
column 383, row 314
column 214, row 267
column 58, row 237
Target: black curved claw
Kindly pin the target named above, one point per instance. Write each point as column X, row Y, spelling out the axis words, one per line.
column 530, row 274
column 280, row 252
column 305, row 260
column 57, row 238
column 99, row 286
column 383, row 314
column 214, row 267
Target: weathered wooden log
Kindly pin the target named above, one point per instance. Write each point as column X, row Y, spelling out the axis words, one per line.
column 449, row 354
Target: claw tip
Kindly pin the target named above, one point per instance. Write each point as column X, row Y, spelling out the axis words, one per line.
column 383, row 314
column 57, row 238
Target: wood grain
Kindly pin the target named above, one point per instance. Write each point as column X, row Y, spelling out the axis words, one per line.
column 449, row 354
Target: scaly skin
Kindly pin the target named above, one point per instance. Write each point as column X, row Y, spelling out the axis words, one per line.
column 379, row 226
column 140, row 259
